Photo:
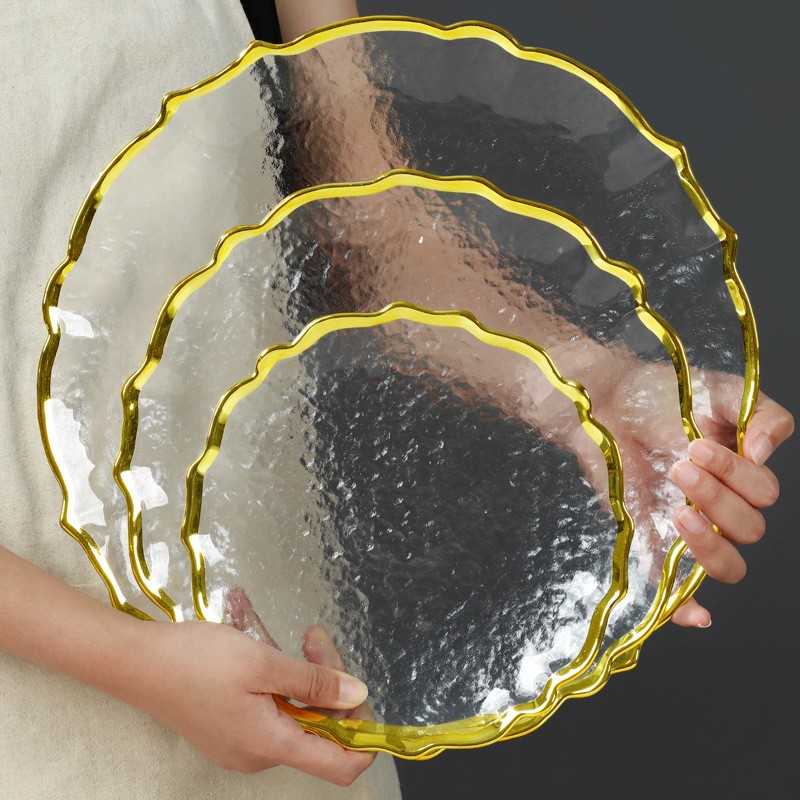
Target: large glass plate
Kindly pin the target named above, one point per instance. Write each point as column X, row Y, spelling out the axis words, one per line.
column 408, row 480
column 346, row 103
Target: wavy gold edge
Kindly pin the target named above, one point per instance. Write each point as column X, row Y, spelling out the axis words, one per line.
column 483, row 729
column 93, row 551
column 389, row 180
column 487, row 32
column 619, row 655
column 623, row 656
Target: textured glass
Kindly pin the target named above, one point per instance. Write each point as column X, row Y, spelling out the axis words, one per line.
column 439, row 249
column 402, row 487
column 348, row 104
column 149, row 231
column 348, row 110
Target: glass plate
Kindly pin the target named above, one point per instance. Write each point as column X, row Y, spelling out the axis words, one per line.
column 408, row 480
column 439, row 242
column 451, row 100
column 522, row 268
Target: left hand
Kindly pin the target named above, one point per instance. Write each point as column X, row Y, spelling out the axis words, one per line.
column 317, row 646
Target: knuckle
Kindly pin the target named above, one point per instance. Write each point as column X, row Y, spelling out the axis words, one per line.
column 254, row 753
column 347, row 776
column 247, row 758
column 771, row 493
column 724, row 463
column 320, row 685
column 239, row 763
column 729, row 573
column 711, row 490
column 786, row 422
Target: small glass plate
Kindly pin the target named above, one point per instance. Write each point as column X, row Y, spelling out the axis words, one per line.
column 408, row 480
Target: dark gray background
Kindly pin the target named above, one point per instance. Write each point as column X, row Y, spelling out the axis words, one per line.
column 706, row 712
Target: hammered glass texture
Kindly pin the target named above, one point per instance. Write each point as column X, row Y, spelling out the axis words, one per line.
column 398, row 486
column 150, row 230
column 367, row 103
column 349, row 110
column 439, row 250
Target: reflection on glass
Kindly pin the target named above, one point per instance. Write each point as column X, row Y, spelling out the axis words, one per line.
column 517, row 267
column 404, row 487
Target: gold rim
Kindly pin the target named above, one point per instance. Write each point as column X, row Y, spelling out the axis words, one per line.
column 484, row 31
column 410, row 741
column 410, row 178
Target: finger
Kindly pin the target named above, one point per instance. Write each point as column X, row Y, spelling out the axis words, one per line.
column 318, row 647
column 755, row 484
column 241, row 614
column 727, row 510
column 319, row 757
column 770, row 426
column 310, row 683
column 692, row 615
column 718, row 557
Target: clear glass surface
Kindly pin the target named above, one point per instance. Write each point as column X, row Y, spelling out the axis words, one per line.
column 534, row 124
column 437, row 249
column 403, row 487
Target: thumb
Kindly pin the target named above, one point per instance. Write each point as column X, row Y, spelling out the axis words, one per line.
column 312, row 683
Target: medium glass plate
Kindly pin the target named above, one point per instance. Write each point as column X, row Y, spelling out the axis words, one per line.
column 408, row 480
column 522, row 268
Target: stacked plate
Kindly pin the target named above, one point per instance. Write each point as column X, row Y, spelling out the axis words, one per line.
column 396, row 330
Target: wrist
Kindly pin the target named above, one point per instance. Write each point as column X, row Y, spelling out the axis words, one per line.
column 129, row 655
column 107, row 648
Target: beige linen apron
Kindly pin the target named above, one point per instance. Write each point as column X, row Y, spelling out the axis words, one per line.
column 77, row 81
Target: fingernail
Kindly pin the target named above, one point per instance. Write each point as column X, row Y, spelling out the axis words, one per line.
column 707, row 625
column 351, row 690
column 701, row 452
column 691, row 520
column 686, row 473
column 761, row 449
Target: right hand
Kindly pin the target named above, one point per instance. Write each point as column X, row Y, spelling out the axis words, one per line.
column 213, row 685
column 729, row 490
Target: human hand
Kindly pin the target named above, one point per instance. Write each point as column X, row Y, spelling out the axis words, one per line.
column 729, row 491
column 214, row 686
column 210, row 683
column 318, row 647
